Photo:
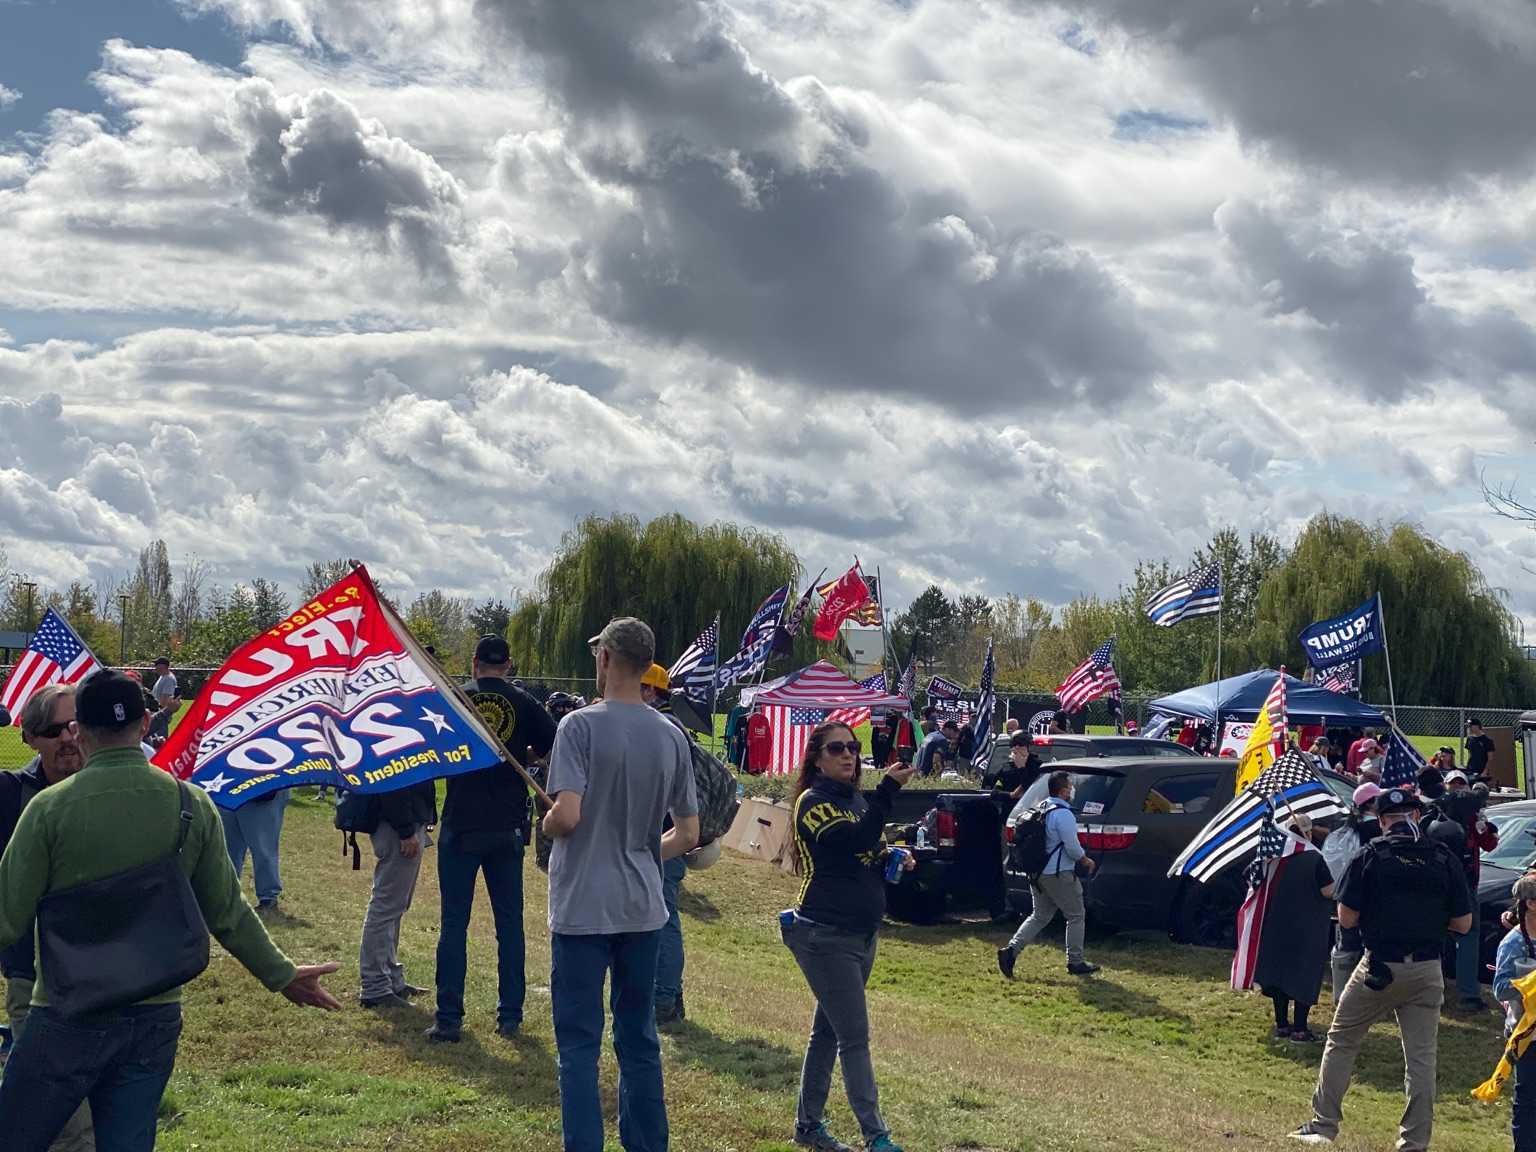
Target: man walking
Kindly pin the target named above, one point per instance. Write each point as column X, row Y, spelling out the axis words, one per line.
column 618, row 770
column 485, row 829
column 1404, row 892
column 48, row 728
column 114, row 816
column 1057, row 887
column 399, row 836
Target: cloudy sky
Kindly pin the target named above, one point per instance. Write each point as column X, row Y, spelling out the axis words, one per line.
column 997, row 294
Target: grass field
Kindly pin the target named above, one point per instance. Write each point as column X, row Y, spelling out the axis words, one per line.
column 1156, row 1053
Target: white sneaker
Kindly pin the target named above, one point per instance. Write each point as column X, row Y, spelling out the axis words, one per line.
column 1306, row 1135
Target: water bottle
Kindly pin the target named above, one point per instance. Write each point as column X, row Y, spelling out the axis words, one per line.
column 922, row 836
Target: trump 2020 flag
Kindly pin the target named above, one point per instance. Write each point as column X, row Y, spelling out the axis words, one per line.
column 339, row 693
column 847, row 595
column 1346, row 637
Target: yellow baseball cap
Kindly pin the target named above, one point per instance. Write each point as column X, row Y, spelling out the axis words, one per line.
column 656, row 677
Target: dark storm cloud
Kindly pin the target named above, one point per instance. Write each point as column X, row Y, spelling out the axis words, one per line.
column 317, row 154
column 760, row 231
column 1368, row 312
column 1427, row 91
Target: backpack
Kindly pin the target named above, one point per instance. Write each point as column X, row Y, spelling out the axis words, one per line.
column 355, row 812
column 1027, row 853
column 715, row 787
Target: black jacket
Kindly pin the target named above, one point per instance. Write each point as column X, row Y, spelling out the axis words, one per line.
column 16, row 792
column 408, row 810
column 487, row 810
column 839, row 837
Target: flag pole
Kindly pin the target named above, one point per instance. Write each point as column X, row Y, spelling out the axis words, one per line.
column 714, row 682
column 1381, row 614
column 408, row 638
column 1221, row 603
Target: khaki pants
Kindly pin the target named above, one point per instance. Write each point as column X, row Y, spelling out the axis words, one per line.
column 77, row 1135
column 1059, row 891
column 1414, row 997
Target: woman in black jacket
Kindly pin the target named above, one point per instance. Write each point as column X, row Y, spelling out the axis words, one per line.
column 839, row 851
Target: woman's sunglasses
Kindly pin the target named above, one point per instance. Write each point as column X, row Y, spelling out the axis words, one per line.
column 838, row 747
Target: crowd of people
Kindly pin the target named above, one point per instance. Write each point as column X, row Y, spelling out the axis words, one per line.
column 91, row 1057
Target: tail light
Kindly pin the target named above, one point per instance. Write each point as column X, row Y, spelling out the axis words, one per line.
column 1107, row 837
column 1008, row 834
column 944, row 828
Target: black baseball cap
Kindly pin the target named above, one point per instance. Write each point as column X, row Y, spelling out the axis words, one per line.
column 109, row 699
column 493, row 649
column 1397, row 800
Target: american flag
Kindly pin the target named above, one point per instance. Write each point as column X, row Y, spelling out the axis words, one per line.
column 986, row 704
column 1288, row 785
column 875, row 683
column 55, row 656
column 1274, row 708
column 694, row 671
column 1403, row 763
column 1093, row 678
column 1275, row 844
column 1197, row 594
column 792, row 728
column 1342, row 678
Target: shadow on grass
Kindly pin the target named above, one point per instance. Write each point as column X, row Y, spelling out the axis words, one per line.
column 696, row 905
column 749, row 1060
column 1107, row 996
column 523, row 1070
column 974, row 927
column 1460, row 1067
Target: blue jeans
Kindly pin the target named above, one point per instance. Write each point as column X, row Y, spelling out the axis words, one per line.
column 119, row 1061
column 669, row 960
column 1468, row 987
column 577, row 967
column 456, row 872
column 257, row 827
column 1522, row 1117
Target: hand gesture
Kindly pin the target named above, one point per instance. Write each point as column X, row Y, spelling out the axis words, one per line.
column 900, row 773
column 304, row 989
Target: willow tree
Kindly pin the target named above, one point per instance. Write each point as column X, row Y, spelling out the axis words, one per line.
column 672, row 573
column 1452, row 638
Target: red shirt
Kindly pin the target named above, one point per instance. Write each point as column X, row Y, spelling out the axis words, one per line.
column 759, row 743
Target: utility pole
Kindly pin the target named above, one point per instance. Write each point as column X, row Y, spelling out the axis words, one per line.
column 31, row 587
column 122, row 649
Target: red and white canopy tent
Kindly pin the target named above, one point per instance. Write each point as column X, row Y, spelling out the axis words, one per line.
column 793, row 705
column 819, row 685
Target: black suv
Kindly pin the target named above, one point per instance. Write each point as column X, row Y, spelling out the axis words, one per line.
column 1135, row 815
column 1068, row 746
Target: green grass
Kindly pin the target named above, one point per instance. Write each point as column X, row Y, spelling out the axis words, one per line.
column 1155, row 1054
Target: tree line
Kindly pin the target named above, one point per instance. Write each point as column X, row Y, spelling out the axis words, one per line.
column 1452, row 636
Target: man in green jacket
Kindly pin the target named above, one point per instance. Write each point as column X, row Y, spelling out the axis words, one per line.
column 117, row 813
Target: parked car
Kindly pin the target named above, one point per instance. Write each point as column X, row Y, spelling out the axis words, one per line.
column 1516, row 852
column 955, row 837
column 1135, row 815
column 1068, row 746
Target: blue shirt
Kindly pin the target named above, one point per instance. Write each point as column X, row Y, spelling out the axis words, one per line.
column 1061, row 832
column 1511, row 962
column 935, row 746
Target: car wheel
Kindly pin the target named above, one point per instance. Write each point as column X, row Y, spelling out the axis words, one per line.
column 1206, row 914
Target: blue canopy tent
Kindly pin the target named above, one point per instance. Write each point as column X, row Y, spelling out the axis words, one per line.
column 1242, row 698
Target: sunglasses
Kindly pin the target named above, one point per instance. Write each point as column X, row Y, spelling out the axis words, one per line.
column 54, row 731
column 838, row 747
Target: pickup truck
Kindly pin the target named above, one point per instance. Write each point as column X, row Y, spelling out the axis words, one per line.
column 961, row 846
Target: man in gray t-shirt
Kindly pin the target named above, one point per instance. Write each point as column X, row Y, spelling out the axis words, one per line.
column 631, row 768
column 616, row 771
